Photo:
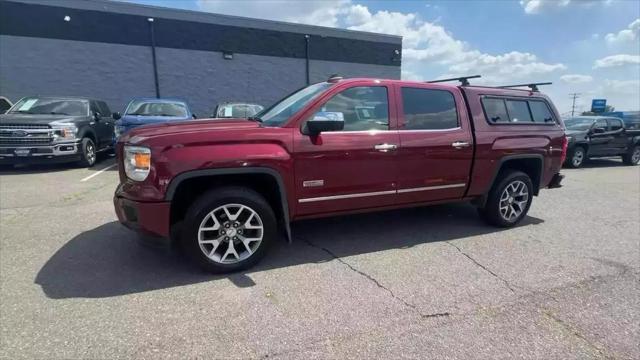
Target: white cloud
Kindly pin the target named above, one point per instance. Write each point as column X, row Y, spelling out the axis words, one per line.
column 630, row 34
column 538, row 6
column 617, row 60
column 622, row 86
column 576, row 78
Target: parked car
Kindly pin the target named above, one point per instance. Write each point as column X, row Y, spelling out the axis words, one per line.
column 598, row 136
column 147, row 111
column 226, row 189
column 5, row 104
column 236, row 110
column 55, row 129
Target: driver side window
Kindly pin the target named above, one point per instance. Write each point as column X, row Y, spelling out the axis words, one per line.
column 363, row 108
column 601, row 123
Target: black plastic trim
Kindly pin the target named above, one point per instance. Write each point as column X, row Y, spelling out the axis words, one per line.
column 483, row 199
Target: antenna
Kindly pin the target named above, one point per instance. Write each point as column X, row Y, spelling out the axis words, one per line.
column 464, row 80
column 532, row 86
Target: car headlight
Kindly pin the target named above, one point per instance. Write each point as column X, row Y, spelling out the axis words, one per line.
column 137, row 162
column 569, row 138
column 64, row 131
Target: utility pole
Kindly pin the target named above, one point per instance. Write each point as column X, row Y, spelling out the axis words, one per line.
column 573, row 106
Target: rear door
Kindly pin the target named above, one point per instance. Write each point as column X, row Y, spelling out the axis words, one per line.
column 600, row 143
column 354, row 168
column 436, row 144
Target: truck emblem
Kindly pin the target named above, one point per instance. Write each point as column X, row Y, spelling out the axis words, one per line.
column 313, row 183
column 19, row 133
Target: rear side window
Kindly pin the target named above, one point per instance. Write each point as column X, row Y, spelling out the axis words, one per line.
column 427, row 109
column 540, row 112
column 495, row 110
column 615, row 124
column 518, row 111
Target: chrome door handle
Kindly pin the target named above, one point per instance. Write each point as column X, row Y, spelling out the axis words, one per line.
column 460, row 144
column 385, row 147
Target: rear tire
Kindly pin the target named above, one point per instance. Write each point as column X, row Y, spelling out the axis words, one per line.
column 509, row 200
column 632, row 157
column 228, row 229
column 577, row 158
column 88, row 155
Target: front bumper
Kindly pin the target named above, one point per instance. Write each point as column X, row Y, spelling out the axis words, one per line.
column 147, row 218
column 56, row 153
column 556, row 181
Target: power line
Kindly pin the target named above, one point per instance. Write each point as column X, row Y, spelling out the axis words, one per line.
column 573, row 106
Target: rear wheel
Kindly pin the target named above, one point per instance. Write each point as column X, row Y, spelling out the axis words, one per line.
column 509, row 200
column 228, row 229
column 578, row 156
column 88, row 153
column 632, row 157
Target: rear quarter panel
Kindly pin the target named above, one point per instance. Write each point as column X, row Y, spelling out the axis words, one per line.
column 495, row 142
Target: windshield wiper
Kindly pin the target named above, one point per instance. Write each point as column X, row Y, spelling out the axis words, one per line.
column 254, row 118
column 58, row 113
column 22, row 112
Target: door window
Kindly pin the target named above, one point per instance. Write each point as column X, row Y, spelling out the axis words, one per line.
column 495, row 110
column 363, row 108
column 615, row 124
column 428, row 109
column 601, row 123
column 104, row 109
column 518, row 111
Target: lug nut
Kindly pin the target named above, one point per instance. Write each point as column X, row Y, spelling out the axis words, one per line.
column 223, row 232
column 235, row 224
column 226, row 225
column 226, row 238
column 240, row 231
column 235, row 238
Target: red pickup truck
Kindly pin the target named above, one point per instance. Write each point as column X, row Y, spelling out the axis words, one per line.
column 226, row 189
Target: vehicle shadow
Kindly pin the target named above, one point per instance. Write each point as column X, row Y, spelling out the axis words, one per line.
column 603, row 162
column 103, row 161
column 109, row 261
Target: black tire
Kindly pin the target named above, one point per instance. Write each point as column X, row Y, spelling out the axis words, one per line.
column 88, row 154
column 491, row 212
column 213, row 200
column 577, row 157
column 632, row 157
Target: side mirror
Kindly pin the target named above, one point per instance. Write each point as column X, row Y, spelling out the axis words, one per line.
column 194, row 116
column 116, row 116
column 598, row 130
column 97, row 116
column 325, row 121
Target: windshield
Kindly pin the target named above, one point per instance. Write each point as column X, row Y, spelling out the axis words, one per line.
column 145, row 108
column 281, row 111
column 238, row 110
column 50, row 106
column 578, row 123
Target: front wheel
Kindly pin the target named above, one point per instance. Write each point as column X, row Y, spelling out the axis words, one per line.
column 228, row 229
column 88, row 153
column 508, row 201
column 633, row 157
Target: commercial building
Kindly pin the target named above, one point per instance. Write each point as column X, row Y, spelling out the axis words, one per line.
column 116, row 51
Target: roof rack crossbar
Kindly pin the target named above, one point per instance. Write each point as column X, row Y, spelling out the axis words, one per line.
column 464, row 80
column 532, row 86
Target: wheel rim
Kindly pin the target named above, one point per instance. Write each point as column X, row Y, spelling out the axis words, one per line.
column 635, row 157
column 230, row 233
column 513, row 200
column 91, row 153
column 578, row 156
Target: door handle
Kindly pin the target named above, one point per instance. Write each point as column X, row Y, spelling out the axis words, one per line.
column 460, row 144
column 385, row 147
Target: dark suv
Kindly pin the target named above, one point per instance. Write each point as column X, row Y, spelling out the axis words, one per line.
column 55, row 129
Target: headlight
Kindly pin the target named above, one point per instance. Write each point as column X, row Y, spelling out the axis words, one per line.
column 569, row 138
column 137, row 162
column 64, row 131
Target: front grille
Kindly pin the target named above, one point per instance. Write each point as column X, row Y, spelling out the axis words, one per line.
column 25, row 135
column 25, row 142
column 23, row 126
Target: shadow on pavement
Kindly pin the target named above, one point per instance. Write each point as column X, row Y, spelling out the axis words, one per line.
column 108, row 261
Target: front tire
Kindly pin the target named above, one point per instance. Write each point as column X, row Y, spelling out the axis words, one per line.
column 88, row 155
column 509, row 200
column 228, row 229
column 578, row 157
column 632, row 157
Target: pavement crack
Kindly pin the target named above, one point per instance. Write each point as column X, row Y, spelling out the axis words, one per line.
column 574, row 332
column 506, row 283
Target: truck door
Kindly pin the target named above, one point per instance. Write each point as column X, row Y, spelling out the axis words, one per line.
column 436, row 144
column 354, row 168
column 599, row 142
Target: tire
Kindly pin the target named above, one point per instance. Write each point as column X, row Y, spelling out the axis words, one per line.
column 515, row 181
column 89, row 155
column 632, row 157
column 248, row 210
column 577, row 158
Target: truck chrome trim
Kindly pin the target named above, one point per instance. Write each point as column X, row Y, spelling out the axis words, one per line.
column 347, row 196
column 427, row 188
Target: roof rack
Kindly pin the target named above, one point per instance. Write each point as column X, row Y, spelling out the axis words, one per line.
column 464, row 80
column 532, row 86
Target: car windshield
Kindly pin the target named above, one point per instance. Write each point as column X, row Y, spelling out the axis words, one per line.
column 146, row 108
column 282, row 110
column 238, row 110
column 51, row 106
column 578, row 123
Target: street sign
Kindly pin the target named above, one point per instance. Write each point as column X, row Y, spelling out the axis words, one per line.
column 598, row 105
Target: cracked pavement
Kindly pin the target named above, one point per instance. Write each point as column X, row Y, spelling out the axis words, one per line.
column 418, row 283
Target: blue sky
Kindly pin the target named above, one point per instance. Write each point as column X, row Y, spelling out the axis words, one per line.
column 586, row 46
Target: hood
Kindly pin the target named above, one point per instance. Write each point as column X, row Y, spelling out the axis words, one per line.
column 36, row 119
column 129, row 120
column 576, row 132
column 184, row 127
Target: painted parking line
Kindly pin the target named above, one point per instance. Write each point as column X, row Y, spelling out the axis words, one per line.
column 98, row 172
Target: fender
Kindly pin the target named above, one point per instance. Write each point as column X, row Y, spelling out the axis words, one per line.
column 175, row 182
column 84, row 130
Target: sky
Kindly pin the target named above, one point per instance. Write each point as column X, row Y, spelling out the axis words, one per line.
column 590, row 47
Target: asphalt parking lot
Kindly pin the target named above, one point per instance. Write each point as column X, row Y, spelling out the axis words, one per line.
column 421, row 283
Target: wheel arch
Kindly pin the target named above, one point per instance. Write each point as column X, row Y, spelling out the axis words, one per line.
column 86, row 132
column 185, row 187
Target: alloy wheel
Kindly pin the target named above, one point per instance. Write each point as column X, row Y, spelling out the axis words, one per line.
column 230, row 233
column 578, row 157
column 513, row 200
column 91, row 153
column 635, row 157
